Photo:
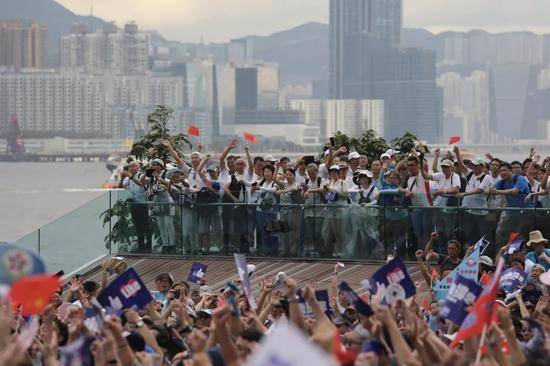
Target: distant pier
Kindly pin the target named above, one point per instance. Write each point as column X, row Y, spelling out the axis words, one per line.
column 56, row 158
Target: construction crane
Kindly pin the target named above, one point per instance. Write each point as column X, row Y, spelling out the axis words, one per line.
column 14, row 135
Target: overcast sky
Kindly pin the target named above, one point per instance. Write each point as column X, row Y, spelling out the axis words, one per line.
column 220, row 20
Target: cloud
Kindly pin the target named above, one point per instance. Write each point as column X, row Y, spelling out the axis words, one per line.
column 220, row 20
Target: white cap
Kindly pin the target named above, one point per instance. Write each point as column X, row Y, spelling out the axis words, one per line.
column 385, row 155
column 250, row 268
column 364, row 172
column 158, row 161
column 196, row 153
column 353, row 155
column 270, row 158
column 446, row 162
column 334, row 167
column 327, row 151
column 478, row 161
column 391, row 152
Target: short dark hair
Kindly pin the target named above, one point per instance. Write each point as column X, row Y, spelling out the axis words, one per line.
column 497, row 160
column 454, row 242
column 90, row 286
column 270, row 167
column 258, row 158
column 515, row 162
column 291, row 170
column 528, row 160
column 506, row 164
column 284, row 158
column 413, row 158
column 232, row 157
column 251, row 335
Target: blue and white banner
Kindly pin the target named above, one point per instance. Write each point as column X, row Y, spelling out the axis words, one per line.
column 468, row 268
column 362, row 307
column 197, row 273
column 515, row 246
column 126, row 291
column 320, row 295
column 511, row 279
column 393, row 282
column 17, row 262
column 242, row 269
column 463, row 293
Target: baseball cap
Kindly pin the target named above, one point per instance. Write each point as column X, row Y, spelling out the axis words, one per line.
column 353, row 155
column 365, row 173
column 212, row 168
column 391, row 152
column 334, row 167
column 385, row 155
column 172, row 172
column 206, row 312
column 270, row 158
column 478, row 161
column 158, row 162
column 446, row 162
column 486, row 260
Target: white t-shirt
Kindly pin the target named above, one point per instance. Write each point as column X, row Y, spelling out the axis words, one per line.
column 443, row 183
column 299, row 178
column 417, row 185
column 479, row 199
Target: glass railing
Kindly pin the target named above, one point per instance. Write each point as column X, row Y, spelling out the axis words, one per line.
column 114, row 224
column 77, row 238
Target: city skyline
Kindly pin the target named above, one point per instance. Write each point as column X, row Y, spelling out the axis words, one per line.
column 191, row 20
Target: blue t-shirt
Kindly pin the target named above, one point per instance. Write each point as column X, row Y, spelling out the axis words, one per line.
column 533, row 257
column 522, row 185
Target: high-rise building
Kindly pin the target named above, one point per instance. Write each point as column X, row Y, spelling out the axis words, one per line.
column 349, row 116
column 123, row 51
column 257, row 87
column 23, row 44
column 367, row 63
column 351, row 18
column 56, row 103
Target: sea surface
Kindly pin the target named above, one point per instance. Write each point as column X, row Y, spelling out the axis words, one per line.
column 35, row 194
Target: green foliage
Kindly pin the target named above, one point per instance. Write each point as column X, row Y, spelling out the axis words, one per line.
column 406, row 143
column 149, row 146
column 372, row 145
column 123, row 229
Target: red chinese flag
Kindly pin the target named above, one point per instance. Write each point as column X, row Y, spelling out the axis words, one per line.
column 485, row 279
column 512, row 237
column 454, row 139
column 434, row 274
column 193, row 131
column 33, row 293
column 482, row 311
column 250, row 137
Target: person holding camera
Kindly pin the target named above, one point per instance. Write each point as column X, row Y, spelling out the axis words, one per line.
column 133, row 181
column 162, row 208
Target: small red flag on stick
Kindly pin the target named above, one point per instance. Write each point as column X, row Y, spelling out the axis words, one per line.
column 454, row 139
column 193, row 131
column 250, row 137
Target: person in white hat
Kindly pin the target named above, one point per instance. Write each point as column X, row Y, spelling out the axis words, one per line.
column 364, row 220
column 336, row 195
column 162, row 209
column 353, row 161
column 474, row 197
column 539, row 254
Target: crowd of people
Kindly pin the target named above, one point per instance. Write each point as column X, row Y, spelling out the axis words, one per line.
column 188, row 324
column 342, row 205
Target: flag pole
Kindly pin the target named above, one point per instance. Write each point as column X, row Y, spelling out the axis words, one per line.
column 482, row 340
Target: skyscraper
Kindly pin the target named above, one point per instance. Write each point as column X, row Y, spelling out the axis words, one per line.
column 352, row 18
column 366, row 62
column 23, row 44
